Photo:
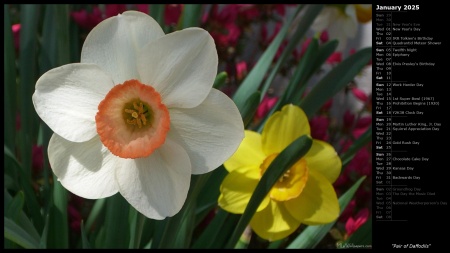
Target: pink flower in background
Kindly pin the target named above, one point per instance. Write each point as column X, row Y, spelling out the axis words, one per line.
column 142, row 8
column 74, row 218
column 324, row 36
column 353, row 224
column 114, row 9
column 266, row 105
column 241, row 70
column 335, row 58
column 359, row 94
column 87, row 20
column 172, row 13
column 222, row 27
column 16, row 36
column 319, row 127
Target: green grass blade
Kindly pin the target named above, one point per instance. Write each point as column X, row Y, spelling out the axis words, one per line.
column 15, row 233
column 254, row 79
column 291, row 154
column 312, row 235
column 335, row 81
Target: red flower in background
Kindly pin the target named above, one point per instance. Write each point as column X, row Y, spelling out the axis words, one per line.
column 16, row 36
column 353, row 224
column 319, row 127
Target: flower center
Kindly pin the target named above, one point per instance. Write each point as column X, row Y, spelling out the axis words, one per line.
column 132, row 121
column 290, row 185
column 137, row 114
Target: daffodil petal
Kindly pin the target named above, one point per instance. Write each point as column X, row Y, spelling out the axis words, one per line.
column 283, row 127
column 210, row 133
column 157, row 185
column 114, row 44
column 317, row 204
column 237, row 188
column 67, row 98
column 85, row 169
column 181, row 66
column 249, row 153
column 322, row 157
column 274, row 222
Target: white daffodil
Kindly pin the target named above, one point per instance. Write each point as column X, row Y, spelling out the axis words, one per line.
column 138, row 115
column 339, row 21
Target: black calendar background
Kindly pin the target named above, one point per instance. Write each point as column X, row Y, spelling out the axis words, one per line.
column 416, row 226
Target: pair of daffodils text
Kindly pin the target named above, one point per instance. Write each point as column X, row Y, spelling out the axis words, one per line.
column 304, row 194
column 138, row 114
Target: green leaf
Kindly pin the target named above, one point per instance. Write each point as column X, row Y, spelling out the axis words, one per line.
column 16, row 234
column 192, row 14
column 303, row 26
column 335, row 81
column 22, row 220
column 288, row 157
column 84, row 240
column 362, row 141
column 15, row 206
column 116, row 223
column 207, row 198
column 44, row 235
column 210, row 233
column 9, row 79
column 33, row 207
column 179, row 228
column 220, row 80
column 312, row 235
column 253, row 80
column 137, row 222
column 96, row 211
column 29, row 18
column 157, row 12
column 250, row 107
column 58, row 222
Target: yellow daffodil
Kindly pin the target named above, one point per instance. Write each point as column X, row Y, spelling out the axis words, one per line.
column 304, row 194
column 138, row 115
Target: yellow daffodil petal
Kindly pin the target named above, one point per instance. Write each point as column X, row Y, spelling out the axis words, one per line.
column 318, row 203
column 249, row 152
column 274, row 222
column 363, row 12
column 322, row 157
column 237, row 188
column 283, row 127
